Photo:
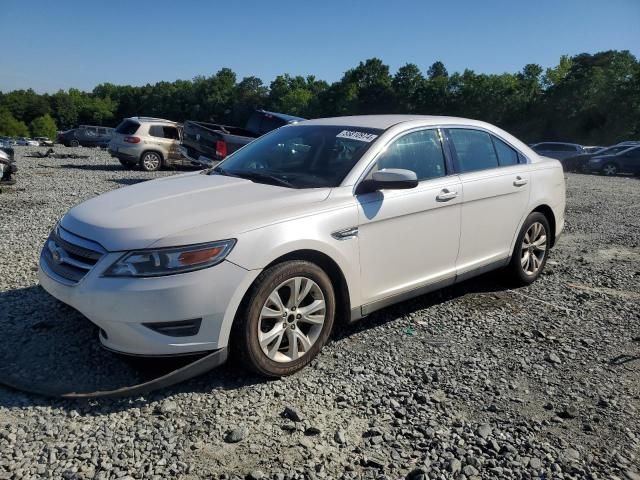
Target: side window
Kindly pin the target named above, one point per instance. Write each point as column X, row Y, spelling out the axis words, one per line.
column 102, row 131
column 420, row 152
column 474, row 149
column 170, row 132
column 506, row 154
column 156, row 131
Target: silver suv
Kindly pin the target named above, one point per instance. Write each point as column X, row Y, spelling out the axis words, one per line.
column 151, row 143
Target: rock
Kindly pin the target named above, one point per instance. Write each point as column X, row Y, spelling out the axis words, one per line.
column 236, row 435
column 438, row 396
column 552, row 358
column 570, row 411
column 419, row 473
column 535, row 463
column 255, row 475
column 631, row 475
column 312, row 431
column 340, row 437
column 168, row 406
column 484, row 430
column 293, row 414
column 470, row 470
column 455, row 466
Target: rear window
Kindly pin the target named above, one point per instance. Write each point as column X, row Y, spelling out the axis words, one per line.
column 128, row 127
column 506, row 154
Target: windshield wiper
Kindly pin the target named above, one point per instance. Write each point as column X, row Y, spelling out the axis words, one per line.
column 255, row 175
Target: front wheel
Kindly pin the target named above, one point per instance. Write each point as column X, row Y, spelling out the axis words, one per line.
column 531, row 250
column 610, row 169
column 150, row 161
column 287, row 318
column 74, row 143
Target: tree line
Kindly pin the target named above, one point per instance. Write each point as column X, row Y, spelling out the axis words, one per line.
column 586, row 98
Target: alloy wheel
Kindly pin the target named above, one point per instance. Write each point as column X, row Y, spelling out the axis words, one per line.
column 534, row 248
column 151, row 161
column 610, row 169
column 291, row 319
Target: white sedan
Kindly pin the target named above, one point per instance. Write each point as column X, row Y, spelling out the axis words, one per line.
column 320, row 222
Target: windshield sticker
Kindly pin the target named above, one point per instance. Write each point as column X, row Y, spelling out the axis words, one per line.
column 360, row 136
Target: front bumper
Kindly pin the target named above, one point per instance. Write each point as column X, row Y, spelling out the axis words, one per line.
column 121, row 306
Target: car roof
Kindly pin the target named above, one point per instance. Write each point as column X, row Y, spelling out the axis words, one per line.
column 559, row 143
column 151, row 119
column 387, row 121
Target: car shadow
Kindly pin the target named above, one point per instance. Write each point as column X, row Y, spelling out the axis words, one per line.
column 49, row 346
column 110, row 167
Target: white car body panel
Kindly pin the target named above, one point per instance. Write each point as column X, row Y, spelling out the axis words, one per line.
column 408, row 241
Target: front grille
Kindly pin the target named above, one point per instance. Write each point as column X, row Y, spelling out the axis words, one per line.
column 69, row 256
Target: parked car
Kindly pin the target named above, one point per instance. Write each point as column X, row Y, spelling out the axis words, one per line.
column 578, row 163
column 557, row 150
column 625, row 161
column 151, row 143
column 7, row 166
column 323, row 221
column 44, row 141
column 21, row 142
column 592, row 148
column 206, row 144
column 86, row 136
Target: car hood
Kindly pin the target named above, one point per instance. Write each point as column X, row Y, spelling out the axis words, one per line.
column 185, row 209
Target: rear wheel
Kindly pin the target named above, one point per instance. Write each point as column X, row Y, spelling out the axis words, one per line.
column 531, row 250
column 286, row 319
column 150, row 161
column 74, row 143
column 610, row 169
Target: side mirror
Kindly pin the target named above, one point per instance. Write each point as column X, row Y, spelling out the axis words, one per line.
column 389, row 179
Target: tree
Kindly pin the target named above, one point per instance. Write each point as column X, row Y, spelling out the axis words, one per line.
column 406, row 84
column 11, row 127
column 44, row 126
column 437, row 70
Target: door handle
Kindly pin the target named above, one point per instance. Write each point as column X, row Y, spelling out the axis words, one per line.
column 445, row 195
column 519, row 182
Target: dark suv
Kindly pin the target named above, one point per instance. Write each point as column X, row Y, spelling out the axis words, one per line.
column 86, row 136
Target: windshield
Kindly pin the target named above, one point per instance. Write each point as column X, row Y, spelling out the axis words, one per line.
column 301, row 156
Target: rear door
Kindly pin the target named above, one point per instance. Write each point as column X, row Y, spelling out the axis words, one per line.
column 495, row 189
column 165, row 139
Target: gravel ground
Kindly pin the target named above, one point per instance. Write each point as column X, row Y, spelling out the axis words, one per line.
column 475, row 381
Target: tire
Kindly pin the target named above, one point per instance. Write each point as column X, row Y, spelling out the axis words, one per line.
column 150, row 161
column 609, row 169
column 259, row 316
column 520, row 271
column 74, row 143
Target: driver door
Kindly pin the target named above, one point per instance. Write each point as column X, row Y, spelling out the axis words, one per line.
column 409, row 238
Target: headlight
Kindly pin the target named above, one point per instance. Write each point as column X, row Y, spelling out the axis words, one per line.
column 169, row 261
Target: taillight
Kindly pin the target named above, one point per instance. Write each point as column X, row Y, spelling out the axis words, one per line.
column 132, row 139
column 221, row 148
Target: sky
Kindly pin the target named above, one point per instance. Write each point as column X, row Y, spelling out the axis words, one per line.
column 50, row 45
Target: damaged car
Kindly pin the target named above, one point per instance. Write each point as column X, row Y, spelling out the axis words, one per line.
column 315, row 223
column 8, row 166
